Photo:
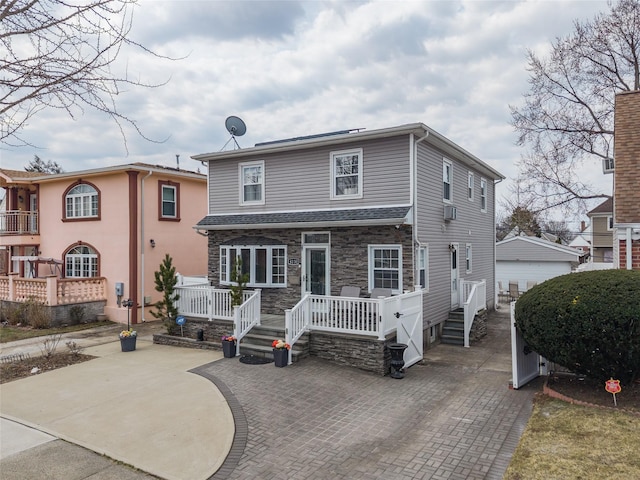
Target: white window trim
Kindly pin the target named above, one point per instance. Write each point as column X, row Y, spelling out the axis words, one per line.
column 175, row 201
column 333, row 155
column 81, row 196
column 446, row 162
column 468, row 258
column 483, row 194
column 371, row 269
column 241, row 168
column 470, row 186
column 425, row 267
column 225, row 275
column 91, row 258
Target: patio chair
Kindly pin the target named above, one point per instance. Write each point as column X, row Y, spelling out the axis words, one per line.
column 513, row 290
column 380, row 292
column 350, row 292
column 502, row 293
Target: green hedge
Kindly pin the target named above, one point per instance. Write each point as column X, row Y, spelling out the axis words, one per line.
column 588, row 322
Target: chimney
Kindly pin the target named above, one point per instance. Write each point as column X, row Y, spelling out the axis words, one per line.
column 583, row 226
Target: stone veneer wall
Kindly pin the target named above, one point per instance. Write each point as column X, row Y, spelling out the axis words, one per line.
column 348, row 251
column 479, row 326
column 66, row 314
column 364, row 353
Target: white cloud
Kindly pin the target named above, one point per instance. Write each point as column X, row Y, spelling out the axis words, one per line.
column 299, row 68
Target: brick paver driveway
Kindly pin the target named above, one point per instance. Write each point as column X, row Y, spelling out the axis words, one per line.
column 453, row 417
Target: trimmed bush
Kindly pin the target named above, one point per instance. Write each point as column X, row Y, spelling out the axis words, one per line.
column 588, row 322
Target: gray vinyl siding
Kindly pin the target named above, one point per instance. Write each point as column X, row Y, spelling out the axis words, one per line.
column 300, row 180
column 526, row 251
column 471, row 226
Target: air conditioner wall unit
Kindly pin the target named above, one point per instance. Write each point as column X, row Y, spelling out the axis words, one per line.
column 450, row 212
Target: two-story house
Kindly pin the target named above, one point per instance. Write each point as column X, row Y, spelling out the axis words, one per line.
column 396, row 208
column 114, row 223
column 602, row 232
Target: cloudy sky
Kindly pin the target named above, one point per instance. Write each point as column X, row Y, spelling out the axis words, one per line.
column 298, row 68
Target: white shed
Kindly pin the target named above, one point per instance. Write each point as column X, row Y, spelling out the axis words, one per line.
column 532, row 259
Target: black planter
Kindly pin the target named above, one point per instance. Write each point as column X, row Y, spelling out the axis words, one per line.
column 128, row 344
column 228, row 349
column 397, row 359
column 281, row 357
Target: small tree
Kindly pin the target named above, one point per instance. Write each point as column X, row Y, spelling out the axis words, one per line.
column 239, row 282
column 165, row 280
column 588, row 322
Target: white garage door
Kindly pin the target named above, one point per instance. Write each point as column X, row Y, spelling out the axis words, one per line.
column 529, row 271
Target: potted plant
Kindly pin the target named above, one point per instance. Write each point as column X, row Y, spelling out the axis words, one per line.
column 229, row 346
column 128, row 340
column 280, row 352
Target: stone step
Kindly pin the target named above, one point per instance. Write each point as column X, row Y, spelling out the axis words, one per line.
column 266, row 340
column 267, row 351
column 452, row 340
column 453, row 331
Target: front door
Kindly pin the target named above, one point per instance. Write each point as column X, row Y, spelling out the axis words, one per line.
column 315, row 272
column 453, row 249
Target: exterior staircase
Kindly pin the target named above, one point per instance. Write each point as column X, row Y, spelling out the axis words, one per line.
column 453, row 328
column 258, row 342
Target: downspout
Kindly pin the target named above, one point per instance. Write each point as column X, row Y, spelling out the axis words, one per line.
column 414, row 200
column 495, row 295
column 628, row 250
column 142, row 244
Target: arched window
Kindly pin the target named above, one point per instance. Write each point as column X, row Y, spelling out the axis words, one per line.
column 81, row 201
column 81, row 262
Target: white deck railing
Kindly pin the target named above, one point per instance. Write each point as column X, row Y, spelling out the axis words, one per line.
column 474, row 299
column 359, row 316
column 208, row 302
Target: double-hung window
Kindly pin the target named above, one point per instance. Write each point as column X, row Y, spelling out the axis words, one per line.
column 81, row 262
column 483, row 195
column 468, row 258
column 385, row 267
column 81, row 201
column 265, row 265
column 346, row 174
column 447, row 180
column 168, row 200
column 470, row 186
column 252, row 183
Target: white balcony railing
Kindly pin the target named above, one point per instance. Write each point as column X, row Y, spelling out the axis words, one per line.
column 18, row 222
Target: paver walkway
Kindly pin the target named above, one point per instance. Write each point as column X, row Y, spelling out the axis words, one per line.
column 452, row 418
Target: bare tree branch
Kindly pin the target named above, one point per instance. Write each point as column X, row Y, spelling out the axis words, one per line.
column 567, row 116
column 60, row 54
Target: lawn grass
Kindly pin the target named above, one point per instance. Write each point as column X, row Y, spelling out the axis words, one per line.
column 10, row 334
column 565, row 441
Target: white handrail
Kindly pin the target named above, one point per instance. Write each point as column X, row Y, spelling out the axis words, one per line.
column 246, row 316
column 296, row 323
column 473, row 299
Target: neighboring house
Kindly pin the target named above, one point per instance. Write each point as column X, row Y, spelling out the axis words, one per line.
column 626, row 194
column 518, row 232
column 529, row 260
column 113, row 223
column 392, row 208
column 602, row 232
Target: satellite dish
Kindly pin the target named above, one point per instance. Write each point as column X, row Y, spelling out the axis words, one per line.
column 235, row 126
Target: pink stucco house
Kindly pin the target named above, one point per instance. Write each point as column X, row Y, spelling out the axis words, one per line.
column 79, row 236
